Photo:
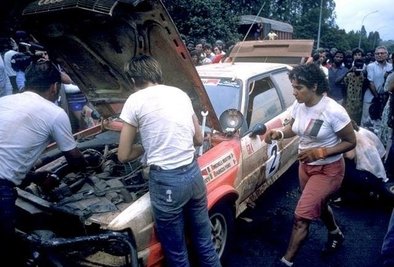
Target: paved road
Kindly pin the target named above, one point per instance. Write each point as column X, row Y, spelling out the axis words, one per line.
column 262, row 237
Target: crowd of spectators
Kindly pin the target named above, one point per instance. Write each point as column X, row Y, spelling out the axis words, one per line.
column 203, row 52
column 362, row 83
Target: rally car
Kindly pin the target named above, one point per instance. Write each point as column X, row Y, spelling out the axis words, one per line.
column 102, row 217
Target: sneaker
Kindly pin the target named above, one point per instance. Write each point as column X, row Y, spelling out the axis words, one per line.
column 334, row 242
column 337, row 200
column 280, row 263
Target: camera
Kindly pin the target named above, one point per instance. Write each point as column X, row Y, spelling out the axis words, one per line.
column 20, row 61
column 32, row 47
column 359, row 65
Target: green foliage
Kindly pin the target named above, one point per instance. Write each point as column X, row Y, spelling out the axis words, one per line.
column 389, row 45
column 218, row 19
column 209, row 19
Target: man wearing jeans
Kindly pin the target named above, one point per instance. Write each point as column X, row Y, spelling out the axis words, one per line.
column 169, row 129
column 30, row 121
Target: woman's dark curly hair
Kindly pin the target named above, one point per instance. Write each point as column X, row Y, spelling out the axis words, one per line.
column 310, row 75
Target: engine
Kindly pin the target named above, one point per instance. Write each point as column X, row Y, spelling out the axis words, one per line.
column 104, row 186
column 56, row 223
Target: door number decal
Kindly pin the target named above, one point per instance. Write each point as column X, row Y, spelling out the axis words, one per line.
column 273, row 160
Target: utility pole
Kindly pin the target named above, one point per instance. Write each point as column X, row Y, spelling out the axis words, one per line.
column 318, row 33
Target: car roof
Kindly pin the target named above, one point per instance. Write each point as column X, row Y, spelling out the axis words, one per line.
column 239, row 70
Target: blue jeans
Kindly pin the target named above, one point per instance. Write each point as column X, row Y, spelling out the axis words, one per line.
column 7, row 224
column 179, row 201
column 388, row 244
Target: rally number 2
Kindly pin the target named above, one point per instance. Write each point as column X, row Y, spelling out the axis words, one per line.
column 274, row 159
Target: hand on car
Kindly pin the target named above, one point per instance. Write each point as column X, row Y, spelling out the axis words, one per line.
column 49, row 183
column 312, row 154
column 44, row 179
column 273, row 135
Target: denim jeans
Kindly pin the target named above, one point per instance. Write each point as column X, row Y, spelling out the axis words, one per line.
column 388, row 244
column 7, row 224
column 179, row 202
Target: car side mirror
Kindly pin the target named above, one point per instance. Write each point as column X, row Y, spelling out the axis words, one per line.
column 231, row 121
column 257, row 129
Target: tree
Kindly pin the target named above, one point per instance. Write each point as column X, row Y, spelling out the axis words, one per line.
column 219, row 19
column 376, row 39
column 209, row 19
column 304, row 16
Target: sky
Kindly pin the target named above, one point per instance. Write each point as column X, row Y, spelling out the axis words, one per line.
column 351, row 13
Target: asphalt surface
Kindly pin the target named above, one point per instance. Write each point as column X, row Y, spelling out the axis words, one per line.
column 262, row 232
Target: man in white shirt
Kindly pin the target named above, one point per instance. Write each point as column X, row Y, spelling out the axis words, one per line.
column 29, row 122
column 272, row 35
column 377, row 72
column 169, row 130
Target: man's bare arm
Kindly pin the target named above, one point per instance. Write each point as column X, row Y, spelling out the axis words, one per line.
column 127, row 150
column 198, row 138
column 75, row 159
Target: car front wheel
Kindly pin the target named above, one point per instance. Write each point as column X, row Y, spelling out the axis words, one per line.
column 222, row 224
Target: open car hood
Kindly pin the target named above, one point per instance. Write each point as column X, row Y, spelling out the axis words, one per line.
column 93, row 39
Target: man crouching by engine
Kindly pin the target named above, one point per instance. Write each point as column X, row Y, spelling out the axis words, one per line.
column 29, row 122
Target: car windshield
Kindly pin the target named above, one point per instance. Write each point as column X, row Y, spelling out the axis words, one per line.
column 224, row 93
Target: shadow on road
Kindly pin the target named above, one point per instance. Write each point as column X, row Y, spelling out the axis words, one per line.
column 262, row 233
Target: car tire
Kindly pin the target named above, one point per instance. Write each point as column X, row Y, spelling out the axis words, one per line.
column 222, row 223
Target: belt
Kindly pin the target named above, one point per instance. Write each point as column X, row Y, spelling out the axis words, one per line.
column 158, row 168
column 155, row 167
column 5, row 182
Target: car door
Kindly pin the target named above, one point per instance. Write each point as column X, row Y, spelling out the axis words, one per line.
column 262, row 163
